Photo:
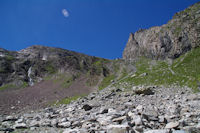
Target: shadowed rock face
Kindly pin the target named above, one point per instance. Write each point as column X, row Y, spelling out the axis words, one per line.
column 171, row 40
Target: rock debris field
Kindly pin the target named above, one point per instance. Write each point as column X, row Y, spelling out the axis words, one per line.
column 140, row 109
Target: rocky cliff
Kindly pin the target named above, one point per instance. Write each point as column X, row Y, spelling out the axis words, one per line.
column 170, row 40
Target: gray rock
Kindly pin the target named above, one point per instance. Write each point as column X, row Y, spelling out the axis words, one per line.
column 54, row 122
column 144, row 91
column 20, row 125
column 69, row 130
column 104, row 120
column 179, row 131
column 10, row 118
column 63, row 120
column 64, row 124
column 139, row 129
column 162, row 119
column 34, row 123
column 5, row 130
column 6, row 124
column 138, row 121
column 104, row 111
column 87, row 125
column 117, row 129
column 45, row 122
column 87, row 107
column 193, row 97
column 139, row 108
column 119, row 119
column 172, row 125
column 19, row 120
column 157, row 131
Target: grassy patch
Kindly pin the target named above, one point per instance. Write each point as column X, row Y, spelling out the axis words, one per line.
column 97, row 67
column 185, row 71
column 67, row 82
column 68, row 100
column 48, row 77
column 65, row 79
column 106, row 81
column 123, row 74
column 50, row 68
column 9, row 58
column 7, row 86
column 24, row 85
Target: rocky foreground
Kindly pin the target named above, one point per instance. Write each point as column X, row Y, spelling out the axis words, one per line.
column 112, row 110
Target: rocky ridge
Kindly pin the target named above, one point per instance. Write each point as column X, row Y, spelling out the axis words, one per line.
column 170, row 40
column 114, row 110
column 37, row 62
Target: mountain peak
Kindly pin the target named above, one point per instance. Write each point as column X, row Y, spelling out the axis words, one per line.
column 171, row 40
column 131, row 37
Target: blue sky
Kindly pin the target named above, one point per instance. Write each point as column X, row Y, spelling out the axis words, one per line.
column 94, row 27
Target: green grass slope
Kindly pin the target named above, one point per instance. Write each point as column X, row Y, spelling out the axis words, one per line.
column 183, row 71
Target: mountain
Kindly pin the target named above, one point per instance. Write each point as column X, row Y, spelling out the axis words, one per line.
column 34, row 63
column 153, row 89
column 39, row 76
column 167, row 55
column 179, row 35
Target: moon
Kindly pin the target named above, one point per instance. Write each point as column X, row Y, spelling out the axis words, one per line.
column 65, row 13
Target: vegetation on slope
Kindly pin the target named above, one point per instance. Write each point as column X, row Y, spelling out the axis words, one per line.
column 106, row 81
column 9, row 86
column 68, row 100
column 183, row 71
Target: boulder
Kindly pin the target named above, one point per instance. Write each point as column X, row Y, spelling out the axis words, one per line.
column 64, row 124
column 87, row 107
column 69, row 130
column 179, row 131
column 157, row 131
column 119, row 119
column 144, row 91
column 117, row 129
column 172, row 125
column 104, row 111
column 20, row 126
column 10, row 118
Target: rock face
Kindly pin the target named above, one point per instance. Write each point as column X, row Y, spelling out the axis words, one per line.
column 178, row 36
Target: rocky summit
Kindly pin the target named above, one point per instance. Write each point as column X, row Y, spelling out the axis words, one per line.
column 153, row 89
column 170, row 40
